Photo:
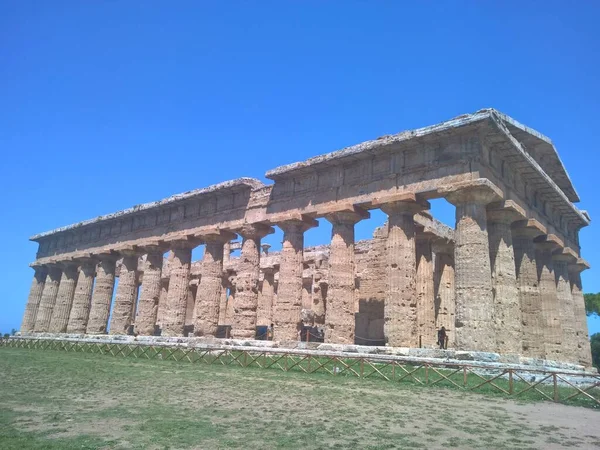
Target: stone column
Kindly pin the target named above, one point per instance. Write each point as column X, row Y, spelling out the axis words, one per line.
column 223, row 301
column 150, row 292
column 82, row 299
column 264, row 316
column 48, row 300
column 583, row 341
column 102, row 295
column 33, row 301
column 339, row 315
column 527, row 281
column 570, row 344
column 127, row 288
column 246, row 285
column 319, row 299
column 64, row 298
column 505, row 293
column 425, row 291
column 551, row 322
column 177, row 296
column 208, row 297
column 445, row 303
column 472, row 269
column 291, row 266
column 162, row 302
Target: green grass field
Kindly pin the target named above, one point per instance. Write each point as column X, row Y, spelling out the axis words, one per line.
column 58, row 400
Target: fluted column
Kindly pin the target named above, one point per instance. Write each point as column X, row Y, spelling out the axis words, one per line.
column 264, row 315
column 551, row 321
column 246, row 285
column 48, row 300
column 208, row 297
column 339, row 315
column 507, row 308
column 289, row 305
column 102, row 295
column 126, row 295
column 570, row 344
column 82, row 298
column 583, row 341
column 472, row 268
column 177, row 296
column 147, row 311
column 425, row 291
column 445, row 303
column 162, row 302
column 64, row 299
column 34, row 298
column 529, row 291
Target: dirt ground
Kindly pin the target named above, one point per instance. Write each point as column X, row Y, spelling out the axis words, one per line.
column 51, row 399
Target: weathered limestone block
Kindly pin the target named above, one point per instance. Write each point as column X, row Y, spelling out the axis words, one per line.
column 102, row 296
column 82, row 298
column 551, row 321
column 445, row 302
column 177, row 295
column 64, row 299
column 400, row 308
column 246, row 284
column 529, row 291
column 34, row 298
column 223, row 302
column 472, row 269
column 566, row 305
column 425, row 291
column 150, row 293
column 583, row 341
column 339, row 314
column 287, row 315
column 162, row 302
column 507, row 308
column 319, row 300
column 208, row 297
column 264, row 314
column 126, row 296
column 48, row 300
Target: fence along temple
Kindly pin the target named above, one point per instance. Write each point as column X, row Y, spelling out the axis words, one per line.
column 506, row 279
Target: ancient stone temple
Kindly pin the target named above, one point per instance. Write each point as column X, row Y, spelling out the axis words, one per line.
column 505, row 279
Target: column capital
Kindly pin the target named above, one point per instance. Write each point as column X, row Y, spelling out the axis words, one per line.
column 217, row 236
column 565, row 254
column 579, row 266
column 444, row 246
column 506, row 211
column 528, row 228
column 348, row 215
column 186, row 242
column 299, row 224
column 107, row 256
column 481, row 191
column 39, row 268
column 255, row 230
column 401, row 203
column 548, row 242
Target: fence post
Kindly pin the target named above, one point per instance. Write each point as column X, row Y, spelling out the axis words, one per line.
column 555, row 387
column 309, row 363
column 464, row 376
column 245, row 358
column 511, row 387
column 427, row 374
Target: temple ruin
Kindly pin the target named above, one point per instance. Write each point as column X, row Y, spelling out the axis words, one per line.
column 506, row 279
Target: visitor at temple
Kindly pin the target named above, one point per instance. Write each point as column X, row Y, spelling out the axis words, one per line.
column 442, row 337
column 270, row 333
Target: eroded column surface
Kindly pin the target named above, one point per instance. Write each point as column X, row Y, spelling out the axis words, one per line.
column 34, row 298
column 400, row 306
column 339, row 315
column 48, row 300
column 246, row 283
column 583, row 341
column 177, row 296
column 287, row 315
column 64, row 299
column 82, row 298
column 162, row 302
column 551, row 321
column 425, row 291
column 150, row 291
column 102, row 296
column 208, row 297
column 264, row 315
column 126, row 296
column 529, row 290
column 472, row 269
column 445, row 303
column 507, row 307
column 566, row 306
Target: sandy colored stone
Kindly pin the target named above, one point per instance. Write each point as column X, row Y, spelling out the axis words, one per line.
column 82, row 298
column 150, row 294
column 567, row 309
column 34, row 298
column 425, row 292
column 264, row 314
column 64, row 299
column 46, row 306
column 583, row 342
column 127, row 288
column 551, row 320
column 102, row 296
column 177, row 295
column 445, row 302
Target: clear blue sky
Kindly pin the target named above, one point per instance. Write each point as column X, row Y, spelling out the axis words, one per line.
column 105, row 105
